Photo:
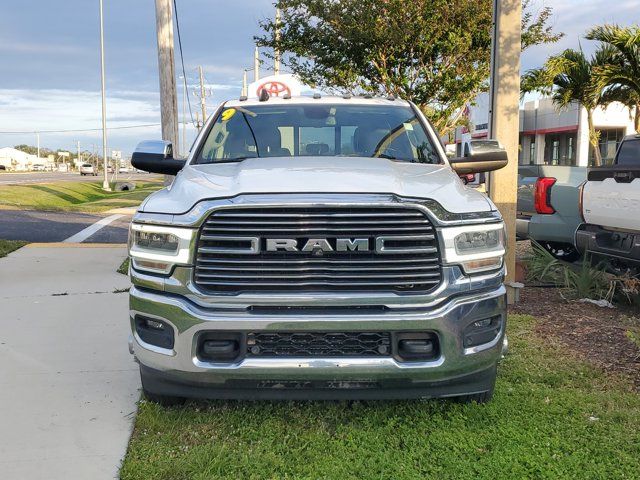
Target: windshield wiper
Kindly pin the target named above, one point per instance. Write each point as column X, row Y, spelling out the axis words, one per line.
column 386, row 155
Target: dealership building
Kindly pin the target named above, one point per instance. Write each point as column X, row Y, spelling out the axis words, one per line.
column 552, row 136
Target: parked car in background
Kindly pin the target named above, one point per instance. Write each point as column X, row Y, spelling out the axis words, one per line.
column 548, row 208
column 611, row 211
column 88, row 169
column 318, row 248
column 38, row 167
column 123, row 170
column 109, row 169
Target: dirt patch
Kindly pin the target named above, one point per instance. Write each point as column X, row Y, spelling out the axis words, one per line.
column 596, row 334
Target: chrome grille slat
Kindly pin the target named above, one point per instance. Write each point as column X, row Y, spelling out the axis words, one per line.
column 320, row 269
column 412, row 264
column 298, row 231
column 313, row 261
column 316, row 275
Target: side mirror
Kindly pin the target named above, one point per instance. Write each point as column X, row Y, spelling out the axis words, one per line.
column 483, row 156
column 156, row 156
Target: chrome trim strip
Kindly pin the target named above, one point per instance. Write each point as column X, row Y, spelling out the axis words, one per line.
column 196, row 216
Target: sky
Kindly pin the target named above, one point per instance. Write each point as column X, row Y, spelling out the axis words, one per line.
column 50, row 63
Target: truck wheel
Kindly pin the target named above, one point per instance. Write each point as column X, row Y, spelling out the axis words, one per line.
column 484, row 397
column 163, row 400
column 562, row 251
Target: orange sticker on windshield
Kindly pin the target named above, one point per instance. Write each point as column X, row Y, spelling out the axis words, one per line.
column 227, row 114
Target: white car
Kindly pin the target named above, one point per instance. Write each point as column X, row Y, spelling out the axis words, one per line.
column 88, row 169
column 123, row 170
column 38, row 167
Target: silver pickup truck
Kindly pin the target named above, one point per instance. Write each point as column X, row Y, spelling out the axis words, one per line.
column 317, row 248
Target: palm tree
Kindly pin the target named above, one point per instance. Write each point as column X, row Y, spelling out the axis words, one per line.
column 570, row 78
column 619, row 77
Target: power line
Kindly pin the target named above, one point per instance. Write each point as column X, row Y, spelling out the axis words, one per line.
column 73, row 130
column 184, row 75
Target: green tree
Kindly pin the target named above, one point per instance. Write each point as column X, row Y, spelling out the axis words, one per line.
column 433, row 52
column 619, row 77
column 570, row 78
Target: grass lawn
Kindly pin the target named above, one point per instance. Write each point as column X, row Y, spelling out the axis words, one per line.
column 124, row 267
column 8, row 246
column 73, row 196
column 551, row 417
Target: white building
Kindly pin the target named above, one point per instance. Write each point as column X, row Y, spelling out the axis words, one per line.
column 553, row 136
column 18, row 161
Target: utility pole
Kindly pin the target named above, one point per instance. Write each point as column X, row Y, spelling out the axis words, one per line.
column 504, row 116
column 256, row 65
column 244, row 83
column 79, row 159
column 105, row 182
column 203, row 96
column 166, row 69
column 38, row 142
column 276, row 56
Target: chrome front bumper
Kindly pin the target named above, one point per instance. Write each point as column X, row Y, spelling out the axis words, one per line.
column 455, row 371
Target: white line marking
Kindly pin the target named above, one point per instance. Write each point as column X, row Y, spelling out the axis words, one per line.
column 82, row 235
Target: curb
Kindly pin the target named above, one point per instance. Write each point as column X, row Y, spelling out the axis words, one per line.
column 123, row 211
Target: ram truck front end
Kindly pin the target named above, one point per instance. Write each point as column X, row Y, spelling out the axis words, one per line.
column 281, row 268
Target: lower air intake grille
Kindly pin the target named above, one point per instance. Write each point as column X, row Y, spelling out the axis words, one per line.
column 319, row 344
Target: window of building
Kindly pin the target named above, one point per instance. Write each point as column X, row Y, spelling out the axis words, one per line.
column 608, row 144
column 560, row 149
column 532, row 150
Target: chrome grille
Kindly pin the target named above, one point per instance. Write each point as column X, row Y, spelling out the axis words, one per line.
column 231, row 256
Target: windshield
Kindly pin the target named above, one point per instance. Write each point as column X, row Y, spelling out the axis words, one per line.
column 629, row 153
column 383, row 131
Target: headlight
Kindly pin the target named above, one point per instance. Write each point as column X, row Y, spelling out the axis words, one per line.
column 476, row 248
column 157, row 249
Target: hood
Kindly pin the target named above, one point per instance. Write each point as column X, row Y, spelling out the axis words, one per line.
column 316, row 175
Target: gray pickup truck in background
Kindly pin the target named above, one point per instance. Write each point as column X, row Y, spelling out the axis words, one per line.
column 549, row 207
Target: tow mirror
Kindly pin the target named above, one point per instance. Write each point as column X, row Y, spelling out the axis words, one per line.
column 156, row 156
column 481, row 156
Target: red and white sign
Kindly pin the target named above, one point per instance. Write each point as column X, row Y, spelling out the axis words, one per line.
column 276, row 86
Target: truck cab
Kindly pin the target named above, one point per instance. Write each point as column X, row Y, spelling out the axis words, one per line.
column 610, row 209
column 317, row 248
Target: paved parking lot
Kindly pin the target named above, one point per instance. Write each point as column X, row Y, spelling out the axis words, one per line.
column 38, row 226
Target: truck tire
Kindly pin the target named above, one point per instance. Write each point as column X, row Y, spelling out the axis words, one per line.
column 562, row 251
column 484, row 397
column 163, row 400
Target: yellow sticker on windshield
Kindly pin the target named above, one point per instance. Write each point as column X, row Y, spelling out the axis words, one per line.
column 227, row 114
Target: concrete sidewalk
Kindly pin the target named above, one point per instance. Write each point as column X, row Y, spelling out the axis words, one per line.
column 68, row 386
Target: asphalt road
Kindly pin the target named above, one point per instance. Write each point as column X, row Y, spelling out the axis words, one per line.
column 37, row 226
column 49, row 177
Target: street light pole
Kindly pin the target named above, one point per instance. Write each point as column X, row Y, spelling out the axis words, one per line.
column 105, row 182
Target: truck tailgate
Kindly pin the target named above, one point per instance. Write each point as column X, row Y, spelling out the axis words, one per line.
column 611, row 200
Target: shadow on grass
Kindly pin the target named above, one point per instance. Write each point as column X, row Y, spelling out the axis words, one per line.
column 57, row 193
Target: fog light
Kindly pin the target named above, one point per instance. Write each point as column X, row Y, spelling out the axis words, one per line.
column 154, row 324
column 482, row 331
column 154, row 332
